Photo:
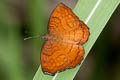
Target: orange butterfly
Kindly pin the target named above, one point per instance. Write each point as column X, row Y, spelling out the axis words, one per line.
column 63, row 48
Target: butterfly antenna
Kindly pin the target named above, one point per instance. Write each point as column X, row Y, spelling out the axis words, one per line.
column 32, row 37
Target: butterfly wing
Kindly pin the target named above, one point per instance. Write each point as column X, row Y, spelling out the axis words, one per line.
column 57, row 56
column 64, row 23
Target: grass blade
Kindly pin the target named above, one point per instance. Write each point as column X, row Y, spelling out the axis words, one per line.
column 96, row 24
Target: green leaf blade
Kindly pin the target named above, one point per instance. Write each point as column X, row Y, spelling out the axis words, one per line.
column 96, row 24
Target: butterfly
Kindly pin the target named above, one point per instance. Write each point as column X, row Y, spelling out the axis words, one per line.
column 63, row 46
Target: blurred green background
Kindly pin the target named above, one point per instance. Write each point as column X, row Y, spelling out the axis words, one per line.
column 20, row 59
